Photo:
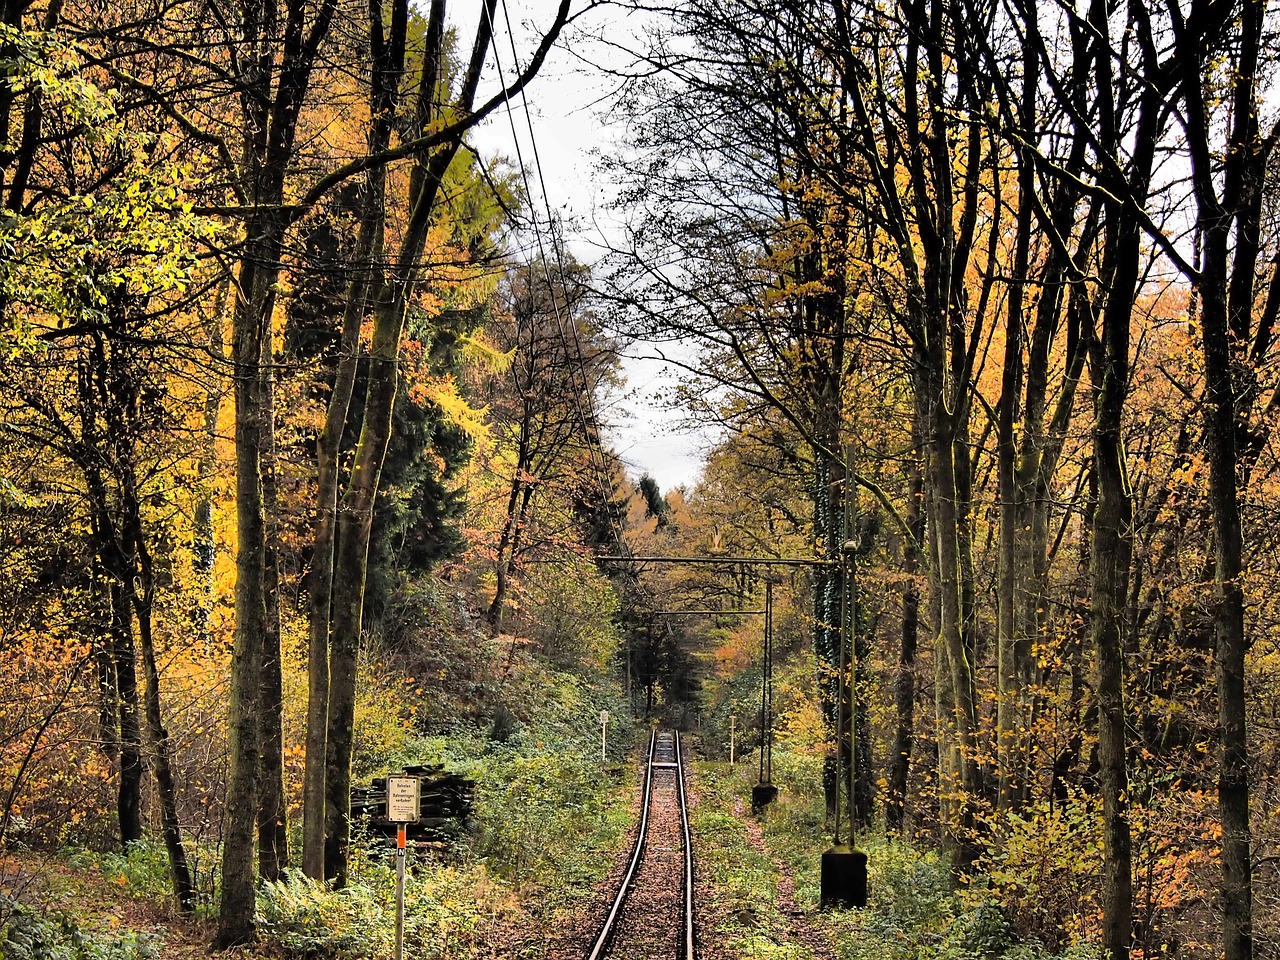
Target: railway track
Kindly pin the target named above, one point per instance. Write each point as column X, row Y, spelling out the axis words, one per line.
column 652, row 914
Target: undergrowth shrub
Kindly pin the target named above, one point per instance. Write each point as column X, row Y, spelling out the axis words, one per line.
column 910, row 888
column 800, row 774
column 142, row 869
column 27, row 935
column 141, row 872
column 308, row 919
column 1045, row 871
column 449, row 911
column 546, row 815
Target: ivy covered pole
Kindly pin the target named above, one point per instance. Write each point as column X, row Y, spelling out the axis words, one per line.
column 828, row 589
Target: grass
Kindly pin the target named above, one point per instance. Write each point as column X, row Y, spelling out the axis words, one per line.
column 743, row 915
column 914, row 912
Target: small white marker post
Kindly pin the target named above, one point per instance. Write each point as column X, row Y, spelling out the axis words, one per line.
column 732, row 721
column 402, row 809
column 604, row 723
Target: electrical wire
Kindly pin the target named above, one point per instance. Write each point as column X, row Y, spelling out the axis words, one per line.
column 584, row 400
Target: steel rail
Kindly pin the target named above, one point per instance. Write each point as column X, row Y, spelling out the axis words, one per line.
column 602, row 942
column 606, row 932
column 688, row 854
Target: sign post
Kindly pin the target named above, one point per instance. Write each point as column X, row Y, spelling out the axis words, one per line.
column 401, row 832
column 402, row 809
column 604, row 723
column 732, row 721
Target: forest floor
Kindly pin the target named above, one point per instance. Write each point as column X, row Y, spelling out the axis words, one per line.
column 103, row 903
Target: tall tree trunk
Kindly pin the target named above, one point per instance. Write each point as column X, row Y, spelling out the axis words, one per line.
column 959, row 711
column 393, row 294
column 904, row 690
column 1112, row 535
column 253, row 312
column 104, row 664
column 119, row 391
column 250, row 337
column 1010, row 719
column 273, row 834
column 1112, row 546
column 1231, row 348
column 95, row 454
column 274, row 67
column 1231, row 641
column 827, row 589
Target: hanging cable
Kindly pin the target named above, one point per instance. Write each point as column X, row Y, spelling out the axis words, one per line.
column 578, row 365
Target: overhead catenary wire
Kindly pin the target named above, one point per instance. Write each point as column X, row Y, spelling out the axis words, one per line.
column 584, row 400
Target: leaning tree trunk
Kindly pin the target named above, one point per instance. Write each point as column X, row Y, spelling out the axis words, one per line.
column 510, row 525
column 119, row 392
column 320, row 579
column 394, row 294
column 161, row 746
column 386, row 75
column 355, row 507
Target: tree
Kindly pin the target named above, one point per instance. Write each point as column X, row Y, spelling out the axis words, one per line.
column 1229, row 188
column 272, row 101
column 541, row 406
column 386, row 292
column 1114, row 99
column 84, row 275
column 921, row 177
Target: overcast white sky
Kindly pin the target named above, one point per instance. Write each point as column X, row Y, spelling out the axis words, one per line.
column 568, row 126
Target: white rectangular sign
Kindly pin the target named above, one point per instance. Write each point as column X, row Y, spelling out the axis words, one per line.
column 402, row 799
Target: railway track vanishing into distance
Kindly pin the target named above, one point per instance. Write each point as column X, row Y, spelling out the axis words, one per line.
column 652, row 914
